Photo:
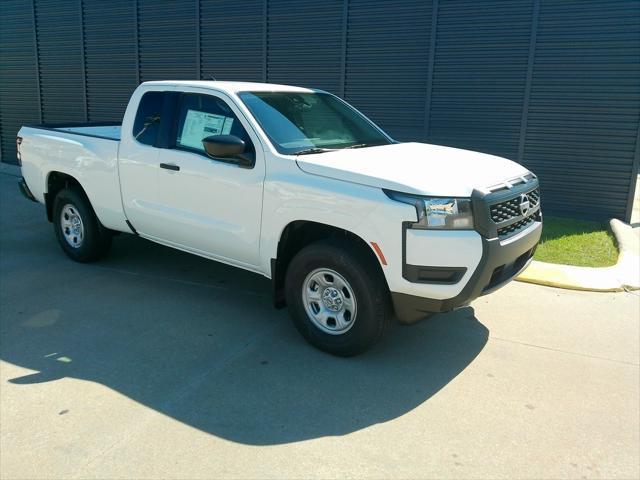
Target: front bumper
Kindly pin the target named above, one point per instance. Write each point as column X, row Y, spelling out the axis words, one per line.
column 501, row 261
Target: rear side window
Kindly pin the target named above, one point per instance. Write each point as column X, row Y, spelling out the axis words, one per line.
column 147, row 123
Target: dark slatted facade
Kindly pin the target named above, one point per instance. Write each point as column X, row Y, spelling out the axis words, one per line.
column 231, row 40
column 387, row 64
column 111, row 57
column 299, row 54
column 480, row 70
column 167, row 39
column 552, row 84
column 19, row 99
column 582, row 127
column 60, row 61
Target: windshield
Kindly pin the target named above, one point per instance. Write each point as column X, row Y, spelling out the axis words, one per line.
column 311, row 122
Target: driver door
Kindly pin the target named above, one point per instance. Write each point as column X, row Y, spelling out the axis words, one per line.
column 210, row 206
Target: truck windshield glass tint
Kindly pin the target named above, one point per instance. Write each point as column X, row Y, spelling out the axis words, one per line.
column 299, row 121
column 147, row 123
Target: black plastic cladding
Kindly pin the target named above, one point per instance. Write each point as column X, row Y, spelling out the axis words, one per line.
column 482, row 202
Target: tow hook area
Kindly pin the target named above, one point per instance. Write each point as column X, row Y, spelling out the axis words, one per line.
column 24, row 189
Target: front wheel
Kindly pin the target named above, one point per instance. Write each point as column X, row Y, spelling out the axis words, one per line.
column 337, row 297
column 77, row 228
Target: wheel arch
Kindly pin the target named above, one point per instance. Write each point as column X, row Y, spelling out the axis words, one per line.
column 55, row 182
column 298, row 234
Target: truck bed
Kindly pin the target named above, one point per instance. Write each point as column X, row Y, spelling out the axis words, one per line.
column 88, row 152
column 110, row 131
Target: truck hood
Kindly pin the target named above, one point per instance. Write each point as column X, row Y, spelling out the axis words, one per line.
column 417, row 168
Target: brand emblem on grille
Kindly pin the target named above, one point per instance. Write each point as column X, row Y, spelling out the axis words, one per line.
column 525, row 205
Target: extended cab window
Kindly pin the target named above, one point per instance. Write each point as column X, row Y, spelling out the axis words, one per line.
column 202, row 116
column 147, row 123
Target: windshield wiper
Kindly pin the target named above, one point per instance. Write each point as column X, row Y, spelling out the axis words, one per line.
column 307, row 151
column 323, row 150
column 360, row 145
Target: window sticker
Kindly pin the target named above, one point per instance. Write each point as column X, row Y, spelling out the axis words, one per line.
column 199, row 125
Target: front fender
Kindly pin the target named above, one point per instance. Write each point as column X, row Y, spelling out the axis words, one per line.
column 361, row 210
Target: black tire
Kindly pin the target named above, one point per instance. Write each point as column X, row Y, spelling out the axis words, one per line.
column 373, row 311
column 96, row 239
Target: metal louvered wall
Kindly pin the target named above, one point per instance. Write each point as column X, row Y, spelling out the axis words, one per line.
column 387, row 64
column 110, row 53
column 582, row 125
column 61, row 61
column 552, row 84
column 479, row 75
column 19, row 100
column 298, row 54
column 231, row 40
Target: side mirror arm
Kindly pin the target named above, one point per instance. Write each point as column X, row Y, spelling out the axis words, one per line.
column 246, row 159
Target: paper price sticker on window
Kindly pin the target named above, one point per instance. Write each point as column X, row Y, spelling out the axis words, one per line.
column 199, row 125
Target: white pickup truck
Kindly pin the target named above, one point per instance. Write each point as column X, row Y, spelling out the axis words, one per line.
column 296, row 185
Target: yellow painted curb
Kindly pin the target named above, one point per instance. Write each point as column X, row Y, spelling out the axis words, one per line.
column 573, row 278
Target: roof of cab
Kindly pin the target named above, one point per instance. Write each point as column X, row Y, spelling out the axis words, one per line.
column 232, row 87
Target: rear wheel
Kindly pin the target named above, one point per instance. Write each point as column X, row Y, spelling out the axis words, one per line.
column 77, row 228
column 337, row 297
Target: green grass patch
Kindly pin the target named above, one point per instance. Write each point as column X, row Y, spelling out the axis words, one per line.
column 576, row 242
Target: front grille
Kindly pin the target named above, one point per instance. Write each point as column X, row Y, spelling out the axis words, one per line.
column 509, row 209
column 503, row 213
column 517, row 226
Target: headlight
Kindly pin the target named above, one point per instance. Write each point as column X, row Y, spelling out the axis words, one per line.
column 437, row 212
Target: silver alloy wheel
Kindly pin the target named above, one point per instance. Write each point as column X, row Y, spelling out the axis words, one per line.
column 329, row 301
column 71, row 225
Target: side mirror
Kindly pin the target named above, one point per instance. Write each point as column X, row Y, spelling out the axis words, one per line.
column 223, row 146
column 229, row 148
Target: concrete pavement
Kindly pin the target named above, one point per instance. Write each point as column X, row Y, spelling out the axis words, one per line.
column 157, row 364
